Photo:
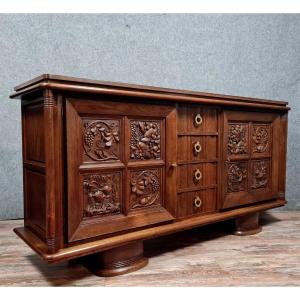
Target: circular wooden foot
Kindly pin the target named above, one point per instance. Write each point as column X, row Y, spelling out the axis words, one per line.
column 117, row 261
column 248, row 232
column 247, row 225
column 123, row 267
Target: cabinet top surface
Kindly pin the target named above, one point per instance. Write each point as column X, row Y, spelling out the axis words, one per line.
column 96, row 86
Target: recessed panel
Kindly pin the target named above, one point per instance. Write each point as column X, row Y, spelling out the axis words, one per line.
column 261, row 140
column 101, row 139
column 238, row 141
column 260, row 174
column 35, row 201
column 102, row 194
column 145, row 139
column 34, row 134
column 145, row 188
column 237, row 176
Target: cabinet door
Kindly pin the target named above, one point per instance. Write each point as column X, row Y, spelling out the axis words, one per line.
column 118, row 175
column 250, row 157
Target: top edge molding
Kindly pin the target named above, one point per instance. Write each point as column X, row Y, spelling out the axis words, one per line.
column 46, row 79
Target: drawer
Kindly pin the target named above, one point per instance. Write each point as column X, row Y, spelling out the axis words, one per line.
column 197, row 175
column 198, row 202
column 193, row 148
column 195, row 119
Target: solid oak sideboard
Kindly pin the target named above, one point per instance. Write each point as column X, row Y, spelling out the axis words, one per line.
column 109, row 165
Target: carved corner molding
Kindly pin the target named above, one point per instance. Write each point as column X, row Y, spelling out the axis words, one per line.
column 49, row 99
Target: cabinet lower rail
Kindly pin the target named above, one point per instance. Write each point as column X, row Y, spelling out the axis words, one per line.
column 88, row 248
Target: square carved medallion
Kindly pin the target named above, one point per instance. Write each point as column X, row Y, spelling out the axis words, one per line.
column 101, row 140
column 145, row 188
column 102, row 193
column 237, row 173
column 145, row 139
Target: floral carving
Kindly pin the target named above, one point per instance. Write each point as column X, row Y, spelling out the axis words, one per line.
column 145, row 188
column 237, row 139
column 260, row 174
column 145, row 139
column 102, row 194
column 260, row 138
column 237, row 177
column 101, row 139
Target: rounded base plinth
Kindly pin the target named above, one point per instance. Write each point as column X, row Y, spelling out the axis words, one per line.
column 127, row 268
column 248, row 232
column 117, row 261
column 247, row 225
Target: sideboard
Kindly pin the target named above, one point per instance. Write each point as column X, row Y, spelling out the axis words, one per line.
column 108, row 165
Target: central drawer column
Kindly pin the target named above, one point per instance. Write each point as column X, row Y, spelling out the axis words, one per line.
column 197, row 157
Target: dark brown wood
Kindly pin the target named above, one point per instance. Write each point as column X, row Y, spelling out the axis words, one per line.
column 248, row 224
column 109, row 165
column 54, row 192
column 250, row 157
column 77, row 85
column 73, row 80
column 117, row 261
column 141, row 158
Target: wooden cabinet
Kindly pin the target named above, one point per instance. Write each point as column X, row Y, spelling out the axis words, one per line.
column 108, row 165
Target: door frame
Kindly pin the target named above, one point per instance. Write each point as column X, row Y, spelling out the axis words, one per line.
column 79, row 228
column 240, row 198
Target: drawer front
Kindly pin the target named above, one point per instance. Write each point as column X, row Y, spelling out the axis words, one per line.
column 197, row 159
column 197, row 119
column 196, row 148
column 197, row 175
column 117, row 156
column 197, row 202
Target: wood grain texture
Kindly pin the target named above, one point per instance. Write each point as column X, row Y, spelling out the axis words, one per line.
column 207, row 256
column 125, row 163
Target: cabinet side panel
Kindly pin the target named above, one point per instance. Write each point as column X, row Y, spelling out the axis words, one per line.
column 34, row 167
column 35, row 205
column 33, row 130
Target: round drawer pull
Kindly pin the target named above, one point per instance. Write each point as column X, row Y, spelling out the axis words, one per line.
column 197, row 120
column 197, row 175
column 197, row 147
column 197, row 202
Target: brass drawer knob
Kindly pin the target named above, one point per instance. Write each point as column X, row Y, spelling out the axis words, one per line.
column 197, row 120
column 197, row 202
column 197, row 175
column 197, row 147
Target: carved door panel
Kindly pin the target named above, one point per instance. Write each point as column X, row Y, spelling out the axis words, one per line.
column 117, row 157
column 250, row 157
